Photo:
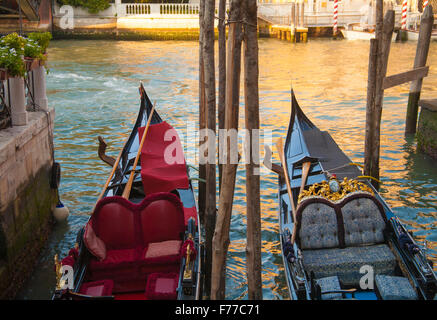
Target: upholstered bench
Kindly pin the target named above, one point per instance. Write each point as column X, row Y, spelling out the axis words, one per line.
column 346, row 263
column 162, row 286
column 338, row 238
column 130, row 241
column 394, row 288
column 329, row 284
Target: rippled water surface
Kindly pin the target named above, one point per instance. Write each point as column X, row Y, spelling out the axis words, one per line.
column 93, row 87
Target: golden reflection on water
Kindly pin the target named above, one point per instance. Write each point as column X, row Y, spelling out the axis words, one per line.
column 93, row 87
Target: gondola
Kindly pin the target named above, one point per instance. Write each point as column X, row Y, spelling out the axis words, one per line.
column 339, row 239
column 142, row 244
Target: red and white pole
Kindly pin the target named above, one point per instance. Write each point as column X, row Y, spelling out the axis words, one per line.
column 334, row 28
column 404, row 14
column 425, row 4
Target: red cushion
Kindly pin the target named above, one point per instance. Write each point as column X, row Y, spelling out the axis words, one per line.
column 115, row 258
column 163, row 252
column 164, row 248
column 97, row 288
column 163, row 167
column 162, row 286
column 113, row 223
column 162, row 219
column 94, row 244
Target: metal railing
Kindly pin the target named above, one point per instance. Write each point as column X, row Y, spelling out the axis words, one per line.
column 5, row 108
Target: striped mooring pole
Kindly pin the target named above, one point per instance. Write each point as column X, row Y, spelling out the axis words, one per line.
column 425, row 4
column 334, row 28
column 404, row 14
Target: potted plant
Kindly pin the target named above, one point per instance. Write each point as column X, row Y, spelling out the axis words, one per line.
column 11, row 56
column 19, row 54
column 35, row 49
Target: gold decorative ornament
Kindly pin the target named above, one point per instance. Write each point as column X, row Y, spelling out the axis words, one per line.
column 187, row 271
column 323, row 189
column 58, row 270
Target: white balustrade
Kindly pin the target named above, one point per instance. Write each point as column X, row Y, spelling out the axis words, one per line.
column 156, row 9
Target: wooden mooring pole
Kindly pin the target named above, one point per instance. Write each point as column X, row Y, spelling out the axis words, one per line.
column 202, row 119
column 426, row 23
column 251, row 102
column 371, row 85
column 221, row 234
column 210, row 110
column 221, row 73
column 378, row 81
column 375, row 91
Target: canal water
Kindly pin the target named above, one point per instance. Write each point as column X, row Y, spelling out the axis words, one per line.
column 93, row 87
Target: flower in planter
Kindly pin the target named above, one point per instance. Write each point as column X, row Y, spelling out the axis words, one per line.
column 33, row 50
column 13, row 48
column 41, row 38
column 12, row 61
column 14, row 41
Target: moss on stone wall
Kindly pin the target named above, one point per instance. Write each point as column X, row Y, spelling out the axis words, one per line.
column 427, row 132
column 26, row 224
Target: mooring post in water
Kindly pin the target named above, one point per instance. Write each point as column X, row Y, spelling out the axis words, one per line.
column 426, row 23
column 371, row 81
column 251, row 103
column 221, row 234
column 335, row 18
column 210, row 109
column 382, row 62
column 202, row 118
column 377, row 72
column 403, row 35
column 221, row 73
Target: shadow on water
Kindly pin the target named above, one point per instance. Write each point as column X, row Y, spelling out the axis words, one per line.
column 93, row 87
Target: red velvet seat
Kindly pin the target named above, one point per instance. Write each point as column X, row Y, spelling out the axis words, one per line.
column 97, row 288
column 162, row 286
column 130, row 232
column 115, row 258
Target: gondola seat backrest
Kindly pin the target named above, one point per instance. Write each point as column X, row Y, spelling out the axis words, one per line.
column 115, row 225
column 358, row 219
column 363, row 219
column 121, row 224
column 162, row 220
column 317, row 225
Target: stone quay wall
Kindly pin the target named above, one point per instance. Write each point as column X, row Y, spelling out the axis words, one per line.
column 427, row 129
column 26, row 198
